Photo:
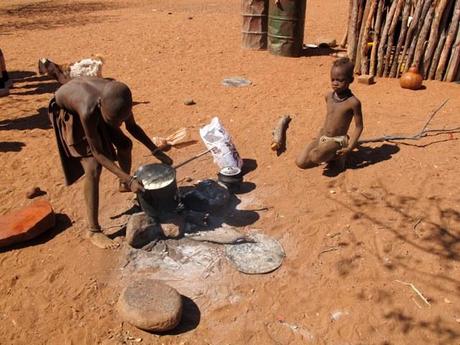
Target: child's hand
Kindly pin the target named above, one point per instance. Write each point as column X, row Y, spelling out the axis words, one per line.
column 163, row 157
column 343, row 152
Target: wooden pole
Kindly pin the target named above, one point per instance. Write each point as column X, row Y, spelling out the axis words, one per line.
column 410, row 55
column 402, row 38
column 394, row 22
column 421, row 42
column 361, row 34
column 344, row 40
column 444, row 27
column 433, row 38
column 410, row 34
column 453, row 68
column 364, row 49
column 453, row 28
column 352, row 40
column 375, row 43
column 384, row 37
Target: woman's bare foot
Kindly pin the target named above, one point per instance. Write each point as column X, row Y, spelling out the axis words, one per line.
column 102, row 241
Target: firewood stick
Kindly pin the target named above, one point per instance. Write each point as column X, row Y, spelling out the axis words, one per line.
column 352, row 30
column 365, row 14
column 384, row 38
column 279, row 133
column 433, row 38
column 402, row 38
column 421, row 42
column 444, row 28
column 418, row 29
column 453, row 68
column 394, row 22
column 453, row 27
column 365, row 36
column 375, row 43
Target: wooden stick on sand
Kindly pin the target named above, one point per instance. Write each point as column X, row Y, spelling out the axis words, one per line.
column 279, row 133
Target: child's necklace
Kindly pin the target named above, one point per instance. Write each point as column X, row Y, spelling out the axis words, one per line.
column 338, row 99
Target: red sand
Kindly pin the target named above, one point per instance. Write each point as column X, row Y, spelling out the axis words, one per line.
column 348, row 239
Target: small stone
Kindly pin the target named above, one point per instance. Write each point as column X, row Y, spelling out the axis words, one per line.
column 332, row 191
column 325, row 42
column 34, row 192
column 188, row 179
column 189, row 101
column 448, row 301
column 190, row 18
column 173, row 228
column 366, row 79
column 26, row 223
column 150, row 305
column 141, row 230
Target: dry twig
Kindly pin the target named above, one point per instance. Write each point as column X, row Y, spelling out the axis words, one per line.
column 417, row 291
column 422, row 133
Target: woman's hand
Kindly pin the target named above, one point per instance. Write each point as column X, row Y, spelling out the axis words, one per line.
column 164, row 158
column 135, row 185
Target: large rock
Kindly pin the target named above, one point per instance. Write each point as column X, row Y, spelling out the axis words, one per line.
column 141, row 230
column 26, row 223
column 150, row 305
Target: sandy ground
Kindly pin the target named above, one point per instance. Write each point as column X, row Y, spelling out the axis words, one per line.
column 350, row 240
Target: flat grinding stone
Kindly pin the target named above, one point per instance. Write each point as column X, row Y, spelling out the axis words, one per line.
column 264, row 255
column 150, row 305
column 26, row 223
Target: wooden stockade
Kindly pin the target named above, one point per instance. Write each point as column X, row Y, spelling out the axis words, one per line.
column 385, row 38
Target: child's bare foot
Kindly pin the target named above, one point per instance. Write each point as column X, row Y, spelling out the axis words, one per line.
column 102, row 241
column 123, row 187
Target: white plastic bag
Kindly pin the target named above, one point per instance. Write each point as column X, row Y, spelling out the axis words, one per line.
column 218, row 140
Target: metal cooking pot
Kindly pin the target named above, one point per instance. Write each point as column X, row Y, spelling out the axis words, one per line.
column 161, row 196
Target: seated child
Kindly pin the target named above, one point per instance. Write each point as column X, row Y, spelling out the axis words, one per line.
column 333, row 142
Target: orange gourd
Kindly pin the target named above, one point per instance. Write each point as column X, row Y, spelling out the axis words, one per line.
column 412, row 79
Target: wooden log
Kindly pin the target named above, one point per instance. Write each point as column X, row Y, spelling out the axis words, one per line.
column 453, row 28
column 344, row 40
column 365, row 37
column 402, row 38
column 410, row 32
column 279, row 133
column 375, row 43
column 453, row 68
column 418, row 29
column 421, row 42
column 391, row 34
column 384, row 38
column 360, row 37
column 444, row 28
column 352, row 31
column 433, row 38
